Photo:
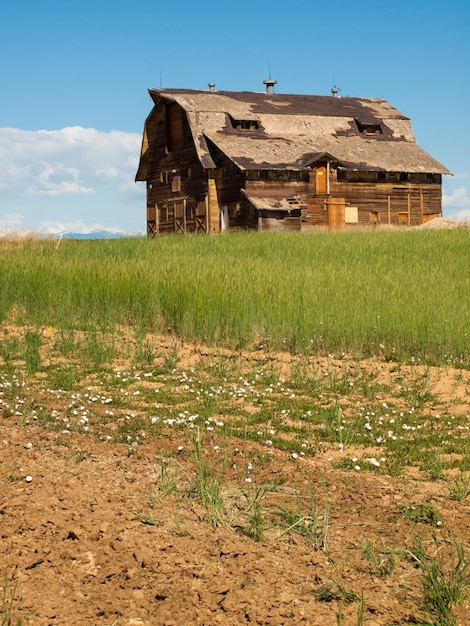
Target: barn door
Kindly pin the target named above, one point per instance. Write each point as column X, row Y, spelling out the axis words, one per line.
column 336, row 213
column 152, row 223
column 321, row 180
column 201, row 217
column 180, row 217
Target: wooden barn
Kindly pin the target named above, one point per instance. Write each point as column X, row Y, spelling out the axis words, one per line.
column 221, row 160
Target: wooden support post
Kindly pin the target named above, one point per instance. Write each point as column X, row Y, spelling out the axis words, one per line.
column 389, row 208
column 421, row 202
column 214, row 206
column 206, row 216
column 409, row 207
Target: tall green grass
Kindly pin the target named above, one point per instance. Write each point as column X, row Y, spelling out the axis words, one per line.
column 401, row 293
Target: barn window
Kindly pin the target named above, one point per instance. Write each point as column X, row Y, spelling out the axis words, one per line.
column 246, row 125
column 163, row 213
column 190, row 210
column 381, row 176
column 370, row 127
column 233, row 209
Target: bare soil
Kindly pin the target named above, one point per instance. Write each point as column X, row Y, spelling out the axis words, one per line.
column 94, row 538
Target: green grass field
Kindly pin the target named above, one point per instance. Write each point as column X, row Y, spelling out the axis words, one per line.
column 402, row 294
column 120, row 345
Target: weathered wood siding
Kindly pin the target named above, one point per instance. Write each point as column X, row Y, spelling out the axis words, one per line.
column 386, row 203
column 369, row 202
column 277, row 189
column 228, row 180
column 176, row 180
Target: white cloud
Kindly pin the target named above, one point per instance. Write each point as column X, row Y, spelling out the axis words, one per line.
column 461, row 216
column 457, row 198
column 70, row 161
column 129, row 191
column 10, row 221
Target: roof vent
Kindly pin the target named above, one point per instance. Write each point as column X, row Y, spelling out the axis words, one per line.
column 270, row 82
column 211, row 86
column 335, row 91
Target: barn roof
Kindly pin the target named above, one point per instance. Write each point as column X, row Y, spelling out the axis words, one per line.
column 277, row 131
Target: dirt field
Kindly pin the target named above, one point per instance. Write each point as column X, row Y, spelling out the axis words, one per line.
column 98, row 532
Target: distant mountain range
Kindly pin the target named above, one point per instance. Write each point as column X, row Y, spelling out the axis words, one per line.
column 47, row 233
column 94, row 234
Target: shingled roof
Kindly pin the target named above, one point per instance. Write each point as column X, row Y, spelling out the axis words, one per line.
column 277, row 131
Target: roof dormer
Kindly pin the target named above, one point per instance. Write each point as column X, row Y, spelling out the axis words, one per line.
column 369, row 127
column 247, row 125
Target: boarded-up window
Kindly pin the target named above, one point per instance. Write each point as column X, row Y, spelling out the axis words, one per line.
column 176, row 183
column 179, row 210
column 351, row 214
column 374, row 217
column 430, row 216
column 174, row 127
column 403, row 218
column 201, row 208
column 151, row 213
column 315, row 207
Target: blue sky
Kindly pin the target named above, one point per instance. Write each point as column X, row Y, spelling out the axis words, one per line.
column 74, row 78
